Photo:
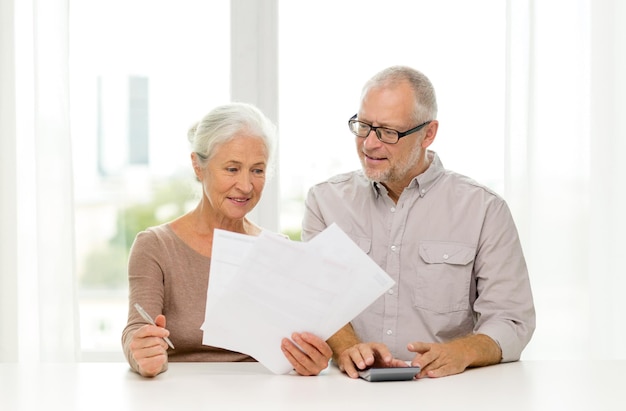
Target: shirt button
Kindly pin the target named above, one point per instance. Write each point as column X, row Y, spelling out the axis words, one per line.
column 389, row 332
column 393, row 209
column 390, row 291
column 393, row 248
column 445, row 256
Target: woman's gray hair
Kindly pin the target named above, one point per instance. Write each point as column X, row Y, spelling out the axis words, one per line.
column 425, row 98
column 224, row 123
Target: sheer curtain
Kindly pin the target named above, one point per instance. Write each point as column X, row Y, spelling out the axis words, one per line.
column 564, row 181
column 607, row 179
column 8, row 186
column 39, row 311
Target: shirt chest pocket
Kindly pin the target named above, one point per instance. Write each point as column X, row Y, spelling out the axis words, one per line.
column 442, row 276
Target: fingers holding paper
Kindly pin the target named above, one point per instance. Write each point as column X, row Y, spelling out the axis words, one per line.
column 311, row 354
column 148, row 349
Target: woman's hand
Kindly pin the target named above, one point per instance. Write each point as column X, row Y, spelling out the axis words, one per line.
column 148, row 350
column 311, row 358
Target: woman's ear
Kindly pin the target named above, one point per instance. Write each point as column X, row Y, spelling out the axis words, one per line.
column 195, row 162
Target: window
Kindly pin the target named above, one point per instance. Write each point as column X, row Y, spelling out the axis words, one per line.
column 328, row 49
column 141, row 73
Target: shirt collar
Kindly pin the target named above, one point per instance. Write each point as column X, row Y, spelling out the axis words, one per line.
column 425, row 181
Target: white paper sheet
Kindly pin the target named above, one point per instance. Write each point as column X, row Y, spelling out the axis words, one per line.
column 262, row 289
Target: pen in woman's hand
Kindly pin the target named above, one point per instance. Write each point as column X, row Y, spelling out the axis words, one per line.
column 147, row 317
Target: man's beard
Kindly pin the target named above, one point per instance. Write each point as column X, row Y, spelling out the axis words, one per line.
column 394, row 173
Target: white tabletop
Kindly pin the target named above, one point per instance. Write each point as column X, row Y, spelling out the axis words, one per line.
column 524, row 385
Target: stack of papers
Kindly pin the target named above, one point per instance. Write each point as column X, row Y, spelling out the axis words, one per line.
column 262, row 289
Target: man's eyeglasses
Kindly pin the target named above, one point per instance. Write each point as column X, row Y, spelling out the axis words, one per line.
column 384, row 134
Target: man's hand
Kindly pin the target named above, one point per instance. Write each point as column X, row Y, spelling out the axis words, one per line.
column 441, row 359
column 351, row 355
column 364, row 355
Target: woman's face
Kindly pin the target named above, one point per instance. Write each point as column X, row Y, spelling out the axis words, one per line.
column 234, row 177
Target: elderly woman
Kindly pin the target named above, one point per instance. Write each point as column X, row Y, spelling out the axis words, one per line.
column 168, row 269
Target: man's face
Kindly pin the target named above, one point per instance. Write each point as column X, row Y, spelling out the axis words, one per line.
column 392, row 164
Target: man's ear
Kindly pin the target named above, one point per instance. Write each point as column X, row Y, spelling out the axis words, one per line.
column 431, row 133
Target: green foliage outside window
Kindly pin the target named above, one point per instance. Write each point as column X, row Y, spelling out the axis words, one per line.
column 106, row 267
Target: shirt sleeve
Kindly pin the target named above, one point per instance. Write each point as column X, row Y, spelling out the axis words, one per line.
column 313, row 222
column 146, row 286
column 504, row 304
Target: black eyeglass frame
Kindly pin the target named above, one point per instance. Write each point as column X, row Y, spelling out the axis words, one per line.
column 375, row 129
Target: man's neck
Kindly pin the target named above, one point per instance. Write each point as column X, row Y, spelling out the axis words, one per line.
column 395, row 190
